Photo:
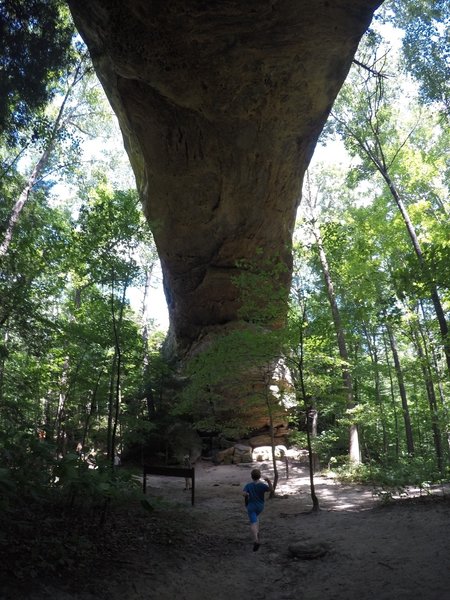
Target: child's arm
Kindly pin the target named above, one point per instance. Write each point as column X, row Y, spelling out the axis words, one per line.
column 269, row 483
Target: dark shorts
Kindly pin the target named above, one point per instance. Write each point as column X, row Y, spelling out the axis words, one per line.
column 253, row 510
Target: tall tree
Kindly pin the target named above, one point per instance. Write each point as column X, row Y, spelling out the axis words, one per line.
column 402, row 389
column 367, row 124
column 295, row 358
column 57, row 130
column 354, row 450
column 314, row 228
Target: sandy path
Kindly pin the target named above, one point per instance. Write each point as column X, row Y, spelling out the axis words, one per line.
column 400, row 551
column 395, row 552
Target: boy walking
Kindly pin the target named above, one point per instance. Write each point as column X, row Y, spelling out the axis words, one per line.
column 254, row 500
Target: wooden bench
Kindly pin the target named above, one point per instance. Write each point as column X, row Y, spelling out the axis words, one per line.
column 170, row 472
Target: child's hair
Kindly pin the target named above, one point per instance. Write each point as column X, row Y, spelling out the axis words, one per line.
column 256, row 474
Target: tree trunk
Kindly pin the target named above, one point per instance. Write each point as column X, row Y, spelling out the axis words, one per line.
column 3, row 356
column 300, row 387
column 23, row 197
column 373, row 353
column 58, row 427
column 92, row 408
column 394, row 406
column 39, row 167
column 150, row 400
column 117, row 325
column 272, row 443
column 430, row 349
column 311, row 423
column 354, row 449
column 402, row 390
column 432, row 402
column 112, row 386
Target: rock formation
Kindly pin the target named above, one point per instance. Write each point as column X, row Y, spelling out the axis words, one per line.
column 220, row 103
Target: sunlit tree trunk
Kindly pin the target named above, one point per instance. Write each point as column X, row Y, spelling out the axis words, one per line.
column 269, row 400
column 149, row 395
column 40, row 165
column 312, row 420
column 354, row 449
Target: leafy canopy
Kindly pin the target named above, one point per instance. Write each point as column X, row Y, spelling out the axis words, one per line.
column 36, row 44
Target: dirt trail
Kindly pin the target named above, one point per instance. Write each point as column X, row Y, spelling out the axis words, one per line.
column 399, row 551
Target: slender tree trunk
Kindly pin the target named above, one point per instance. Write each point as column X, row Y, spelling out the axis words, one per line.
column 373, row 353
column 112, row 379
column 312, row 421
column 92, row 408
column 66, row 386
column 117, row 325
column 432, row 402
column 3, row 356
column 354, row 449
column 20, row 203
column 58, row 427
column 272, row 443
column 442, row 400
column 394, row 406
column 402, row 390
column 39, row 167
column 148, row 277
column 150, row 399
column 426, row 335
column 301, row 385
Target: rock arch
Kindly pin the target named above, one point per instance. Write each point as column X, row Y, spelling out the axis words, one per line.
column 220, row 103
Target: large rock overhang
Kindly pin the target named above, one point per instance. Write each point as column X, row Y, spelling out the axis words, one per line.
column 220, row 103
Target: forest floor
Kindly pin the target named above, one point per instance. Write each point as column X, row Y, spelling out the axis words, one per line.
column 398, row 550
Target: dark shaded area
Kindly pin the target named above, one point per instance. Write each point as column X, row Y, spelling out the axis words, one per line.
column 36, row 40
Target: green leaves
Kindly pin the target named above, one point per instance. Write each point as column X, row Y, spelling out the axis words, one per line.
column 36, row 37
column 426, row 47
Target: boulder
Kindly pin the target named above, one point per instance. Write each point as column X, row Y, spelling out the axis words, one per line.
column 225, row 456
column 264, row 439
column 263, row 453
column 237, row 454
column 242, row 454
column 308, row 550
column 260, row 440
column 297, row 454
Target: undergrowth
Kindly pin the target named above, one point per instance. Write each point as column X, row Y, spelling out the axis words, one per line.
column 58, row 515
column 393, row 479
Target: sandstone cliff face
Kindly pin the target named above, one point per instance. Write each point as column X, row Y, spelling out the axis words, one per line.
column 220, row 103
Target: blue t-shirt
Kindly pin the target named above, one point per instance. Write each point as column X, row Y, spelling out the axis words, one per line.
column 256, row 491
